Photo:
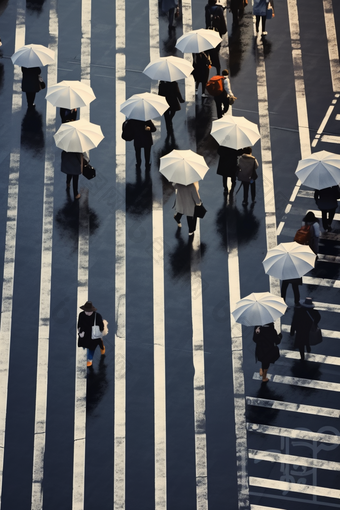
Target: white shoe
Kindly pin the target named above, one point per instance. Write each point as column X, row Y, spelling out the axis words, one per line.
column 205, row 95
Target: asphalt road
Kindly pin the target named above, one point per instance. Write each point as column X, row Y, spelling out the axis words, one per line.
column 174, row 416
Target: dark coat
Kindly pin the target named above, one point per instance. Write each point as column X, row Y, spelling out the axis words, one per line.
column 171, row 92
column 71, row 163
column 326, row 199
column 85, row 323
column 68, row 115
column 141, row 137
column 227, row 164
column 201, row 64
column 266, row 341
column 30, row 79
column 302, row 322
column 215, row 10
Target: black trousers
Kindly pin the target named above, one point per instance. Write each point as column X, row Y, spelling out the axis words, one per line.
column 296, row 291
column 191, row 220
column 327, row 218
column 30, row 98
column 246, row 191
column 147, row 153
column 221, row 99
column 264, row 19
column 74, row 179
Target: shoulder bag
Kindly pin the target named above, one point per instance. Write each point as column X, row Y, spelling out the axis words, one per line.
column 96, row 333
column 315, row 335
column 200, row 211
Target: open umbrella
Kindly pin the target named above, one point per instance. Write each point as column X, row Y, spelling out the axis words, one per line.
column 78, row 136
column 259, row 308
column 33, row 55
column 183, row 167
column 289, row 260
column 168, row 69
column 145, row 106
column 70, row 94
column 198, row 40
column 235, row 132
column 320, row 170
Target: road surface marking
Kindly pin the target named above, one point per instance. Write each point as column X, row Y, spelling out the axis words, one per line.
column 324, row 282
column 326, row 333
column 294, row 487
column 332, row 45
column 45, row 283
column 330, row 139
column 260, row 507
column 306, row 435
column 297, row 381
column 259, row 455
column 324, row 121
column 317, row 358
column 290, row 406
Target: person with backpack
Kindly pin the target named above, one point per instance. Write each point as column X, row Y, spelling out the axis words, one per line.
column 248, row 164
column 219, row 87
column 201, row 64
column 215, row 20
column 327, row 201
column 236, row 7
column 313, row 223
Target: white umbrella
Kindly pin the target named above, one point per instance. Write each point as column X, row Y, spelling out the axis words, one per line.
column 289, row 260
column 78, row 136
column 33, row 55
column 70, row 94
column 198, row 40
column 168, row 69
column 144, row 106
column 235, row 132
column 259, row 308
column 183, row 167
column 320, row 170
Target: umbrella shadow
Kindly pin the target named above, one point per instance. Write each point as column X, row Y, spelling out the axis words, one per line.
column 32, row 136
column 139, row 194
column 97, row 385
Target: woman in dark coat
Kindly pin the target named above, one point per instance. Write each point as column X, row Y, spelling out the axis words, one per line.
column 266, row 351
column 227, row 165
column 86, row 320
column 142, row 137
column 327, row 201
column 171, row 92
column 201, row 64
column 72, row 165
column 303, row 319
column 30, row 83
column 68, row 115
column 295, row 282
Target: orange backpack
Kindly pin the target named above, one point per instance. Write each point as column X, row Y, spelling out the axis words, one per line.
column 303, row 235
column 215, row 85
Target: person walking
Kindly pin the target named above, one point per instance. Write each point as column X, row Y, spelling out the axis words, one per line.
column 72, row 164
column 142, row 138
column 30, row 83
column 266, row 351
column 201, row 64
column 186, row 199
column 295, row 282
column 327, row 201
column 214, row 17
column 68, row 115
column 170, row 6
column 171, row 92
column 303, row 319
column 227, row 166
column 86, row 320
column 248, row 165
column 311, row 221
column 222, row 99
column 260, row 11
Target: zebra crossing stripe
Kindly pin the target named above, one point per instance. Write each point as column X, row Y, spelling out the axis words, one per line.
column 294, row 487
column 296, row 381
column 324, row 282
column 333, row 51
column 306, row 435
column 293, row 459
column 290, row 406
column 326, row 333
column 260, row 507
column 317, row 358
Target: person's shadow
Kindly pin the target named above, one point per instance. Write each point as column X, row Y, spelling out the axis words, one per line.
column 32, row 136
column 97, row 384
column 245, row 224
column 35, row 5
column 139, row 194
column 181, row 257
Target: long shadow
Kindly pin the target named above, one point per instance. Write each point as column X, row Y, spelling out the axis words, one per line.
column 264, row 415
column 246, row 224
column 139, row 194
column 35, row 5
column 97, row 385
column 32, row 135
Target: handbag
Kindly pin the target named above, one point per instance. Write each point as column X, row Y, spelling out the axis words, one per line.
column 270, row 11
column 274, row 354
column 96, row 333
column 231, row 99
column 88, row 171
column 200, row 211
column 315, row 335
column 42, row 84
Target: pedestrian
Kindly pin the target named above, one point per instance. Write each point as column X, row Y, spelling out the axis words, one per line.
column 68, row 115
column 88, row 318
column 171, row 92
column 142, row 138
column 72, row 164
column 327, row 201
column 170, row 6
column 303, row 319
column 295, row 282
column 222, row 99
column 227, row 166
column 214, row 17
column 260, row 11
column 236, row 7
column 186, row 199
column 30, row 83
column 311, row 221
column 248, row 165
column 266, row 351
column 201, row 64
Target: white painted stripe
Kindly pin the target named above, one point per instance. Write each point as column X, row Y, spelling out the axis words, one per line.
column 294, row 487
column 326, row 333
column 260, row 507
column 290, row 406
column 333, row 51
column 317, row 212
column 323, row 125
column 45, row 283
column 324, row 282
column 10, row 239
column 327, row 307
column 259, row 455
column 330, row 139
column 293, row 433
column 296, row 381
column 318, row 358
column 120, row 273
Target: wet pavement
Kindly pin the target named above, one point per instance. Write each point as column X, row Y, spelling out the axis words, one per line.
column 184, row 432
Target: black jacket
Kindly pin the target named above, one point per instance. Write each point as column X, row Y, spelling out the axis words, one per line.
column 85, row 323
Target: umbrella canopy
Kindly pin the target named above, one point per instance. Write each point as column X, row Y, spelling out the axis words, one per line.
column 259, row 308
column 144, row 106
column 289, row 260
column 78, row 136
column 183, row 167
column 320, row 170
column 198, row 40
column 168, row 69
column 235, row 132
column 33, row 55
column 70, row 94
